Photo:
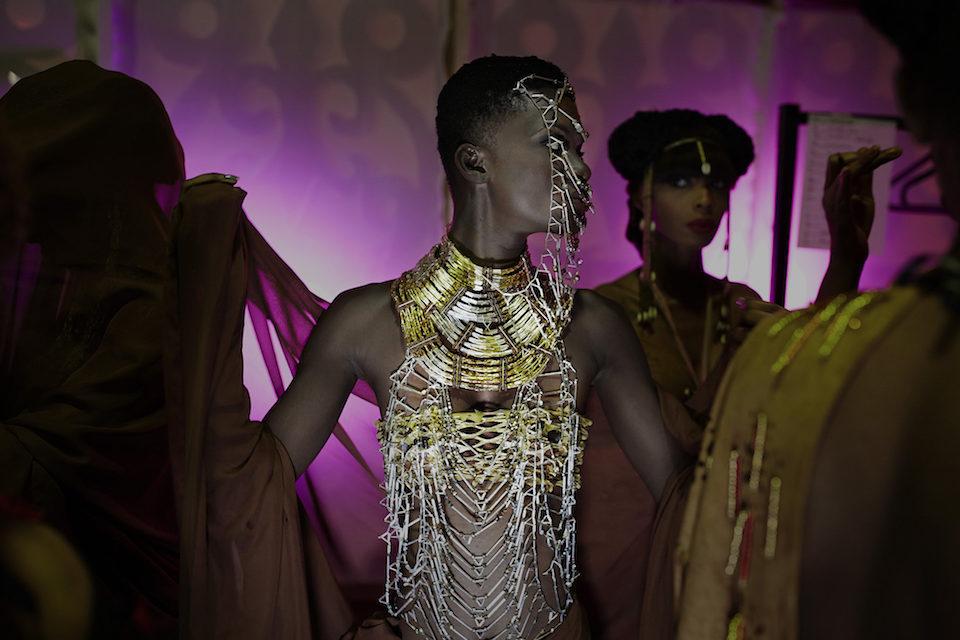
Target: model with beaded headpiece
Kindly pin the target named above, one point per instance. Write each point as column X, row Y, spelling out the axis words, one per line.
column 680, row 166
column 825, row 502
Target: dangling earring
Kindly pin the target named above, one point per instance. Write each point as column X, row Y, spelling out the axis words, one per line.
column 652, row 302
column 648, row 304
column 723, row 322
column 646, row 202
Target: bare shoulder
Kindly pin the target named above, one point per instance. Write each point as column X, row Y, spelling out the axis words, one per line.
column 365, row 303
column 596, row 314
column 599, row 334
column 356, row 317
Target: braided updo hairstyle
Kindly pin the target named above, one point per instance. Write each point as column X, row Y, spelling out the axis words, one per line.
column 639, row 142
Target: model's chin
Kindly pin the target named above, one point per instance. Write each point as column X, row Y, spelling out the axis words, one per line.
column 701, row 233
column 701, row 241
column 580, row 209
column 580, row 216
column 685, row 237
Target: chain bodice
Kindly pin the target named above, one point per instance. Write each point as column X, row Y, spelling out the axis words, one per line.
column 481, row 536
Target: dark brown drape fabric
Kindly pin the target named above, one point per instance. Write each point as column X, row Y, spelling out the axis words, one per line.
column 82, row 424
column 251, row 566
column 627, row 540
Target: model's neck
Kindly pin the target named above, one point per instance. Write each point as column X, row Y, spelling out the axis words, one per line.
column 679, row 271
column 483, row 240
column 670, row 258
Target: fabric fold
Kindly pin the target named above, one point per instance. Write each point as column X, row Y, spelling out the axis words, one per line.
column 251, row 566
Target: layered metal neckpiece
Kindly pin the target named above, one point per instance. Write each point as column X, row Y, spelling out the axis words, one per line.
column 476, row 327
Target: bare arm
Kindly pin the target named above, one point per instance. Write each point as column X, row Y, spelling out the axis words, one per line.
column 627, row 393
column 305, row 415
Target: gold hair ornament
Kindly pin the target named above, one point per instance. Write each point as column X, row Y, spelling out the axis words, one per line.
column 705, row 167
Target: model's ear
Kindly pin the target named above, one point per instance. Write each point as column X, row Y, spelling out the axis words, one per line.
column 471, row 162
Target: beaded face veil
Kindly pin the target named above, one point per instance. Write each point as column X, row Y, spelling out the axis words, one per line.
column 560, row 260
column 481, row 535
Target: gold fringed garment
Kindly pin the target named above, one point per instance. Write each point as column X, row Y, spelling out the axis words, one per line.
column 251, row 567
column 816, row 507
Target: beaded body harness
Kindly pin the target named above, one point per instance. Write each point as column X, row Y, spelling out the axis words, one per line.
column 481, row 535
column 480, row 531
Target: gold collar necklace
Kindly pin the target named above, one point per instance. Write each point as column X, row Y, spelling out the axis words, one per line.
column 476, row 327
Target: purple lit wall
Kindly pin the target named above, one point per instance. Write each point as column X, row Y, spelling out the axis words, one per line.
column 324, row 109
column 716, row 57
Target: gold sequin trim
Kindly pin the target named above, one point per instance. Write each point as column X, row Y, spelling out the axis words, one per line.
column 773, row 518
column 845, row 320
column 734, row 558
column 759, row 445
column 733, row 484
column 735, row 629
column 802, row 334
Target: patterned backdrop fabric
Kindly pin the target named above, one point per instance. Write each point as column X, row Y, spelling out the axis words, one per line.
column 324, row 109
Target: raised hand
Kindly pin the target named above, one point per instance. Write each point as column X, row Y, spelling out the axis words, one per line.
column 848, row 200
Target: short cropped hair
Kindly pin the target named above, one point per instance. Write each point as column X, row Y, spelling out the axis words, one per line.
column 479, row 96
